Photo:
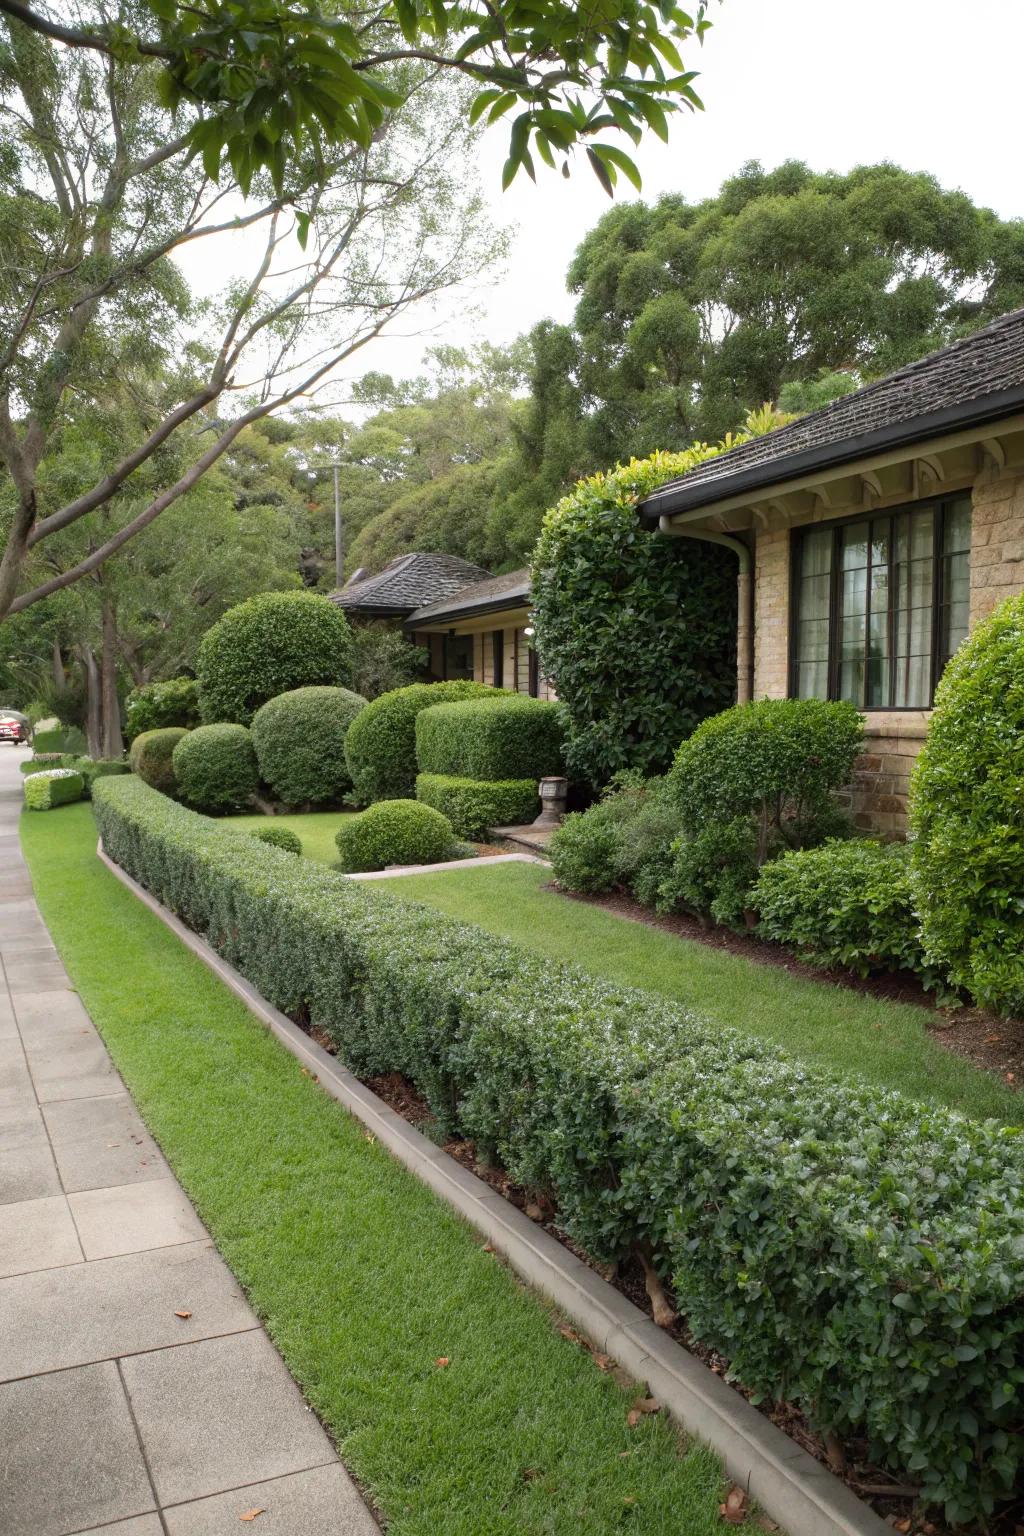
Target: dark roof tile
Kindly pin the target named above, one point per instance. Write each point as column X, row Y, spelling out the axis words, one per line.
column 407, row 582
column 497, row 592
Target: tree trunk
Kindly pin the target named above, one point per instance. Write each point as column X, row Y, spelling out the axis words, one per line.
column 60, row 680
column 93, row 733
column 113, row 741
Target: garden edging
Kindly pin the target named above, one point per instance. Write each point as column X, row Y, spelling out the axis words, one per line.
column 797, row 1491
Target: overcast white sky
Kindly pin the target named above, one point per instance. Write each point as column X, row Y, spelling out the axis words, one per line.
column 934, row 85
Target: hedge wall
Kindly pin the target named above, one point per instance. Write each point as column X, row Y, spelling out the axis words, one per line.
column 45, row 791
column 859, row 1253
column 474, row 806
column 508, row 737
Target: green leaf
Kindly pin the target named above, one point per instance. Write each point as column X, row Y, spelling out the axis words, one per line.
column 481, row 103
column 601, row 171
column 608, row 152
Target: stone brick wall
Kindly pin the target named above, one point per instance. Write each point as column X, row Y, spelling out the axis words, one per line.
column 771, row 614
column 877, row 797
column 997, row 541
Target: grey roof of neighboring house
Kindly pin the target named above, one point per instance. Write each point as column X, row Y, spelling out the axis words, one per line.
column 969, row 383
column 406, row 583
column 510, row 591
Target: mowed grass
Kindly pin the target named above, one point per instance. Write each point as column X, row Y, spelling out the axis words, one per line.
column 317, row 830
column 883, row 1043
column 365, row 1279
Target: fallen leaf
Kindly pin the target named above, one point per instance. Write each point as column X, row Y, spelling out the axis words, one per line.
column 902, row 1525
column 640, row 1409
column 183, row 1313
column 603, row 1362
column 629, row 1499
column 994, row 1040
column 570, row 1334
column 489, row 1248
column 1011, row 1077
column 370, row 1137
column 252, row 1514
column 442, row 1361
column 734, row 1510
column 530, row 1474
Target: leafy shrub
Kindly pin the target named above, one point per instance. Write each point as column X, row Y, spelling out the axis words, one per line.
column 624, row 840
column 215, row 767
column 383, row 660
column 857, row 1253
column 380, row 748
column 847, row 904
column 152, row 757
column 751, row 783
column 506, row 736
column 43, row 762
column 967, row 816
column 278, row 837
column 636, row 631
column 93, row 768
column 268, row 645
column 58, row 786
column 473, row 806
column 299, row 739
column 393, row 832
column 52, row 740
column 150, row 708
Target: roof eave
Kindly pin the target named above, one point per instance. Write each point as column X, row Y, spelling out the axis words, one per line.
column 511, row 600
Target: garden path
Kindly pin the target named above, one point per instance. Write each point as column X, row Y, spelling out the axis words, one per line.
column 139, row 1395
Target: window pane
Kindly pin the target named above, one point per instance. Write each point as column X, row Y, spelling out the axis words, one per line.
column 956, row 532
column 851, row 680
column 855, row 591
column 812, row 640
column 812, row 680
column 855, row 546
column 813, row 596
column 816, row 553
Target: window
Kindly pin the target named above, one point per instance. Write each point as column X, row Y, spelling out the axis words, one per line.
column 458, row 657
column 498, row 658
column 881, row 603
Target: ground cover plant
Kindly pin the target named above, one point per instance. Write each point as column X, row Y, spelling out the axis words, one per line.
column 524, row 1432
column 654, row 1130
column 299, row 739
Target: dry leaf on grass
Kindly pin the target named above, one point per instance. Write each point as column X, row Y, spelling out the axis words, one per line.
column 734, row 1510
column 442, row 1361
column 640, row 1409
column 603, row 1362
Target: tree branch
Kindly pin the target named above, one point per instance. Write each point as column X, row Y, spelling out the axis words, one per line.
column 76, row 37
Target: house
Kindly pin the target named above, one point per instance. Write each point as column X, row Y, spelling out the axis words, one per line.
column 405, row 584
column 870, row 537
column 483, row 632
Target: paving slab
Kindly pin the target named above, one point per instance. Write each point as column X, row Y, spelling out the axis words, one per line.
column 69, row 1454
column 101, row 1142
column 79, row 1069
column 29, row 971
column 133, row 1217
column 16, row 1089
column 41, row 1016
column 186, row 1405
column 323, row 1502
column 27, row 1172
column 142, row 1525
column 37, row 1234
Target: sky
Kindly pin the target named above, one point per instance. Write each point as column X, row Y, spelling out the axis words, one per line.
column 934, row 85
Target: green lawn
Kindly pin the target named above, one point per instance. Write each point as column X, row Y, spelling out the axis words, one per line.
column 884, row 1043
column 316, row 829
column 365, row 1279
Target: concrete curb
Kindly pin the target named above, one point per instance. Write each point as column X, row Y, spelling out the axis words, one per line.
column 397, row 870
column 797, row 1491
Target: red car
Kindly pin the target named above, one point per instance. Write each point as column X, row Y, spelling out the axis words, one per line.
column 13, row 731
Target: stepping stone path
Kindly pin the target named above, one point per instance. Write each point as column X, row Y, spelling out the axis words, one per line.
column 139, row 1395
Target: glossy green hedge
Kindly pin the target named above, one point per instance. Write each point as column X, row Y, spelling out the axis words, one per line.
column 393, row 832
column 270, row 644
column 475, row 806
column 59, row 786
column 380, row 747
column 157, row 705
column 504, row 737
column 152, row 757
column 215, row 768
column 859, row 1254
column 967, row 816
column 299, row 739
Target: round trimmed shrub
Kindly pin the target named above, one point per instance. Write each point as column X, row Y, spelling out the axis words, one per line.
column 299, row 739
column 380, row 748
column 278, row 837
column 501, row 738
column 152, row 758
column 393, row 832
column 215, row 767
column 268, row 645
column 967, row 816
column 474, row 806
column 150, row 708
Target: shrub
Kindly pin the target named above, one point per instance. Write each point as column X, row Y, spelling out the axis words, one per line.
column 152, row 758
column 393, row 832
column 750, row 784
column 49, row 740
column 156, row 705
column 380, row 748
column 383, row 659
column 299, row 739
column 93, row 768
column 847, row 904
column 967, row 816
column 473, row 806
column 58, row 786
column 278, row 837
column 268, row 645
column 503, row 737
column 44, row 762
column 624, row 840
column 215, row 767
column 857, row 1253
column 636, row 631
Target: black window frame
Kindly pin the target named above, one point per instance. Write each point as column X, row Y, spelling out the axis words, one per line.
column 498, row 657
column 939, row 506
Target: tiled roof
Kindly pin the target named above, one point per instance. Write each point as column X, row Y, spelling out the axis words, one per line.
column 498, row 592
column 972, row 381
column 407, row 582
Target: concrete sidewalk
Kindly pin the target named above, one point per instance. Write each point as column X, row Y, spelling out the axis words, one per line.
column 139, row 1395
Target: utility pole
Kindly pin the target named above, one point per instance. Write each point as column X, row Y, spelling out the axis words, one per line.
column 339, row 552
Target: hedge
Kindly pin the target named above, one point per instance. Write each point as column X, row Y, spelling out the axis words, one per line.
column 157, row 705
column 44, row 762
column 54, row 740
column 152, row 757
column 215, row 767
column 270, row 644
column 380, row 748
column 393, row 832
column 474, row 806
column 299, row 739
column 856, row 1253
column 501, row 738
column 59, row 786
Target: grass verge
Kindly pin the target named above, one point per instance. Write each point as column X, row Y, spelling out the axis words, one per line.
column 365, row 1280
column 316, row 829
column 883, row 1043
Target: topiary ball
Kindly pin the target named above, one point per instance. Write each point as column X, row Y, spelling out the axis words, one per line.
column 393, row 832
column 299, row 739
column 152, row 758
column 278, row 837
column 967, row 816
column 215, row 767
column 380, row 748
column 268, row 645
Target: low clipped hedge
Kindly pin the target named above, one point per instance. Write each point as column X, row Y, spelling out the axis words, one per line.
column 473, row 806
column 278, row 837
column 59, row 786
column 501, row 738
column 51, row 740
column 299, row 739
column 215, row 768
column 859, row 1254
column 380, row 747
column 152, row 757
column 46, row 762
column 393, row 832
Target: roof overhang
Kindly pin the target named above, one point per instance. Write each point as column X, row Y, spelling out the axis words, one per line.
column 443, row 618
column 372, row 610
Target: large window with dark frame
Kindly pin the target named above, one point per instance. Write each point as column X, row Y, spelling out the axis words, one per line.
column 881, row 603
